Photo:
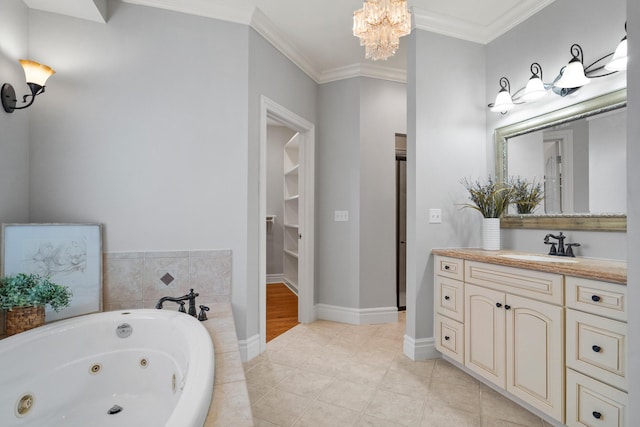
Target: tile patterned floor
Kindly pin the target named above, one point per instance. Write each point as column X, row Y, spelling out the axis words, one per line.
column 334, row 374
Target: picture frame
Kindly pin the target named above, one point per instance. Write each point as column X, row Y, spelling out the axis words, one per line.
column 69, row 254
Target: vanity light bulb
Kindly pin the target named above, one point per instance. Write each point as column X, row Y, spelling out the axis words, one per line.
column 619, row 60
column 503, row 102
column 573, row 76
column 534, row 90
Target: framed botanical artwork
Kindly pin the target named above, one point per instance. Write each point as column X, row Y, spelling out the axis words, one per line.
column 69, row 254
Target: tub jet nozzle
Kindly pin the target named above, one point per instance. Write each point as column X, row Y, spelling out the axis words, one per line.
column 114, row 409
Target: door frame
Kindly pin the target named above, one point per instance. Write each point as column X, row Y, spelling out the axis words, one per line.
column 270, row 110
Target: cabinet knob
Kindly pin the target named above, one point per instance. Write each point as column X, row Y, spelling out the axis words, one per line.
column 447, row 297
column 446, row 267
column 446, row 338
column 596, row 348
column 498, row 305
column 595, row 298
column 597, row 415
column 507, row 307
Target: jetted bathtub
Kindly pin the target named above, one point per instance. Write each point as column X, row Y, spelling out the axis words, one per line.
column 142, row 368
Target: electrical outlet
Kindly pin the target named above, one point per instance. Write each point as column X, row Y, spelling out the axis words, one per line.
column 435, row 216
column 341, row 216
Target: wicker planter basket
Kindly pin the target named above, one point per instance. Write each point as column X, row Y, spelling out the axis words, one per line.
column 20, row 319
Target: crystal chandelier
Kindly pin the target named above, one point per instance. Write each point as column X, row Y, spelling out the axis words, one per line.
column 379, row 25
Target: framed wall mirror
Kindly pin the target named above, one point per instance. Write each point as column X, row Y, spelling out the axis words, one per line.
column 578, row 155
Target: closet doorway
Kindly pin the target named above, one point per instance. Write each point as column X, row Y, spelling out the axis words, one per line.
column 295, row 173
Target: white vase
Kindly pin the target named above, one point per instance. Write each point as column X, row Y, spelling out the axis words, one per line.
column 491, row 234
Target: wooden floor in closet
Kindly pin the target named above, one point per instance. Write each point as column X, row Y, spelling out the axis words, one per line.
column 282, row 310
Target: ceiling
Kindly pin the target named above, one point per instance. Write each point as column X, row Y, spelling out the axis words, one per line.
column 316, row 35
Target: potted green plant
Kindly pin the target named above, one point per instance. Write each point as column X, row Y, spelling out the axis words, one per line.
column 24, row 296
column 491, row 198
column 526, row 195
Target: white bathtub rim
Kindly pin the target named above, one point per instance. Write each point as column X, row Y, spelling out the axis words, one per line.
column 193, row 406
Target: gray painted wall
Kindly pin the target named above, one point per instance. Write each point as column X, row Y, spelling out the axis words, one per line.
column 338, row 188
column 383, row 113
column 633, row 206
column 445, row 143
column 14, row 137
column 546, row 38
column 355, row 261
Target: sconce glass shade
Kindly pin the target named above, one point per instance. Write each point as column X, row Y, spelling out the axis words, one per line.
column 619, row 60
column 35, row 72
column 573, row 75
column 534, row 90
column 503, row 102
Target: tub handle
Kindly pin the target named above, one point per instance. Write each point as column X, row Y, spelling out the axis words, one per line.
column 203, row 312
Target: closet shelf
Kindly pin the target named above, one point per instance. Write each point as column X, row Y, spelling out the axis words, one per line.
column 292, row 198
column 291, row 253
column 292, row 171
column 296, row 226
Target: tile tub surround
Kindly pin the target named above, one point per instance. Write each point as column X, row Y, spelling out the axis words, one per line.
column 230, row 405
column 588, row 268
column 334, row 374
column 139, row 279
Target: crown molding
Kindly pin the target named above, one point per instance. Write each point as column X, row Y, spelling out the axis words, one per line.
column 94, row 10
column 483, row 34
column 363, row 70
column 267, row 29
column 206, row 8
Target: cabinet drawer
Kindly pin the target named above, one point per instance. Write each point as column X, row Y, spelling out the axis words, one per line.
column 593, row 296
column 449, row 338
column 591, row 403
column 538, row 285
column 597, row 347
column 452, row 268
column 449, row 298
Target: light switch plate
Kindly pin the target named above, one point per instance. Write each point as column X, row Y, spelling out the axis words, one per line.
column 341, row 216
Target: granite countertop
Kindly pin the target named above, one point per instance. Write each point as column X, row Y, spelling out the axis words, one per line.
column 588, row 268
column 230, row 405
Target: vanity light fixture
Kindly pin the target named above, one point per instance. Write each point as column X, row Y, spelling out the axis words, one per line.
column 503, row 99
column 571, row 77
column 535, row 88
column 573, row 73
column 36, row 75
column 619, row 60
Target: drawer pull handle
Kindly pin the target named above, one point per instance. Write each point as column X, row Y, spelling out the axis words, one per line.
column 507, row 307
column 447, row 297
column 446, row 338
column 596, row 348
column 595, row 298
column 498, row 305
column 446, row 267
column 597, row 415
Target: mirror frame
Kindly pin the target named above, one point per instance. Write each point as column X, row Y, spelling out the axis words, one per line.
column 605, row 222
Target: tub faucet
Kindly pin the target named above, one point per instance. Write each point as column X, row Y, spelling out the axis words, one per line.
column 191, row 297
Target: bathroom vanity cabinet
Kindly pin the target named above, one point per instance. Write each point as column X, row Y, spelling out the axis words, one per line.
column 511, row 325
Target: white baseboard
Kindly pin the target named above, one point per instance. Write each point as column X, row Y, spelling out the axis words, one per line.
column 275, row 278
column 357, row 316
column 249, row 348
column 420, row 349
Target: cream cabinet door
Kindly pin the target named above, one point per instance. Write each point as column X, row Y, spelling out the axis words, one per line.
column 535, row 353
column 485, row 332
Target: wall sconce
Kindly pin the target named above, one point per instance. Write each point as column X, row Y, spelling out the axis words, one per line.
column 571, row 77
column 36, row 76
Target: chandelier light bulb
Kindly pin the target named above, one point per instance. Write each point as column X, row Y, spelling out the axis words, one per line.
column 379, row 25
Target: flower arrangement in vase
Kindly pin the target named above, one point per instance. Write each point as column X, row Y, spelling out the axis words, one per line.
column 526, row 195
column 491, row 199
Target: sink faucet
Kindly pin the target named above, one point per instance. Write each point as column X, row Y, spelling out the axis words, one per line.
column 560, row 250
column 191, row 297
